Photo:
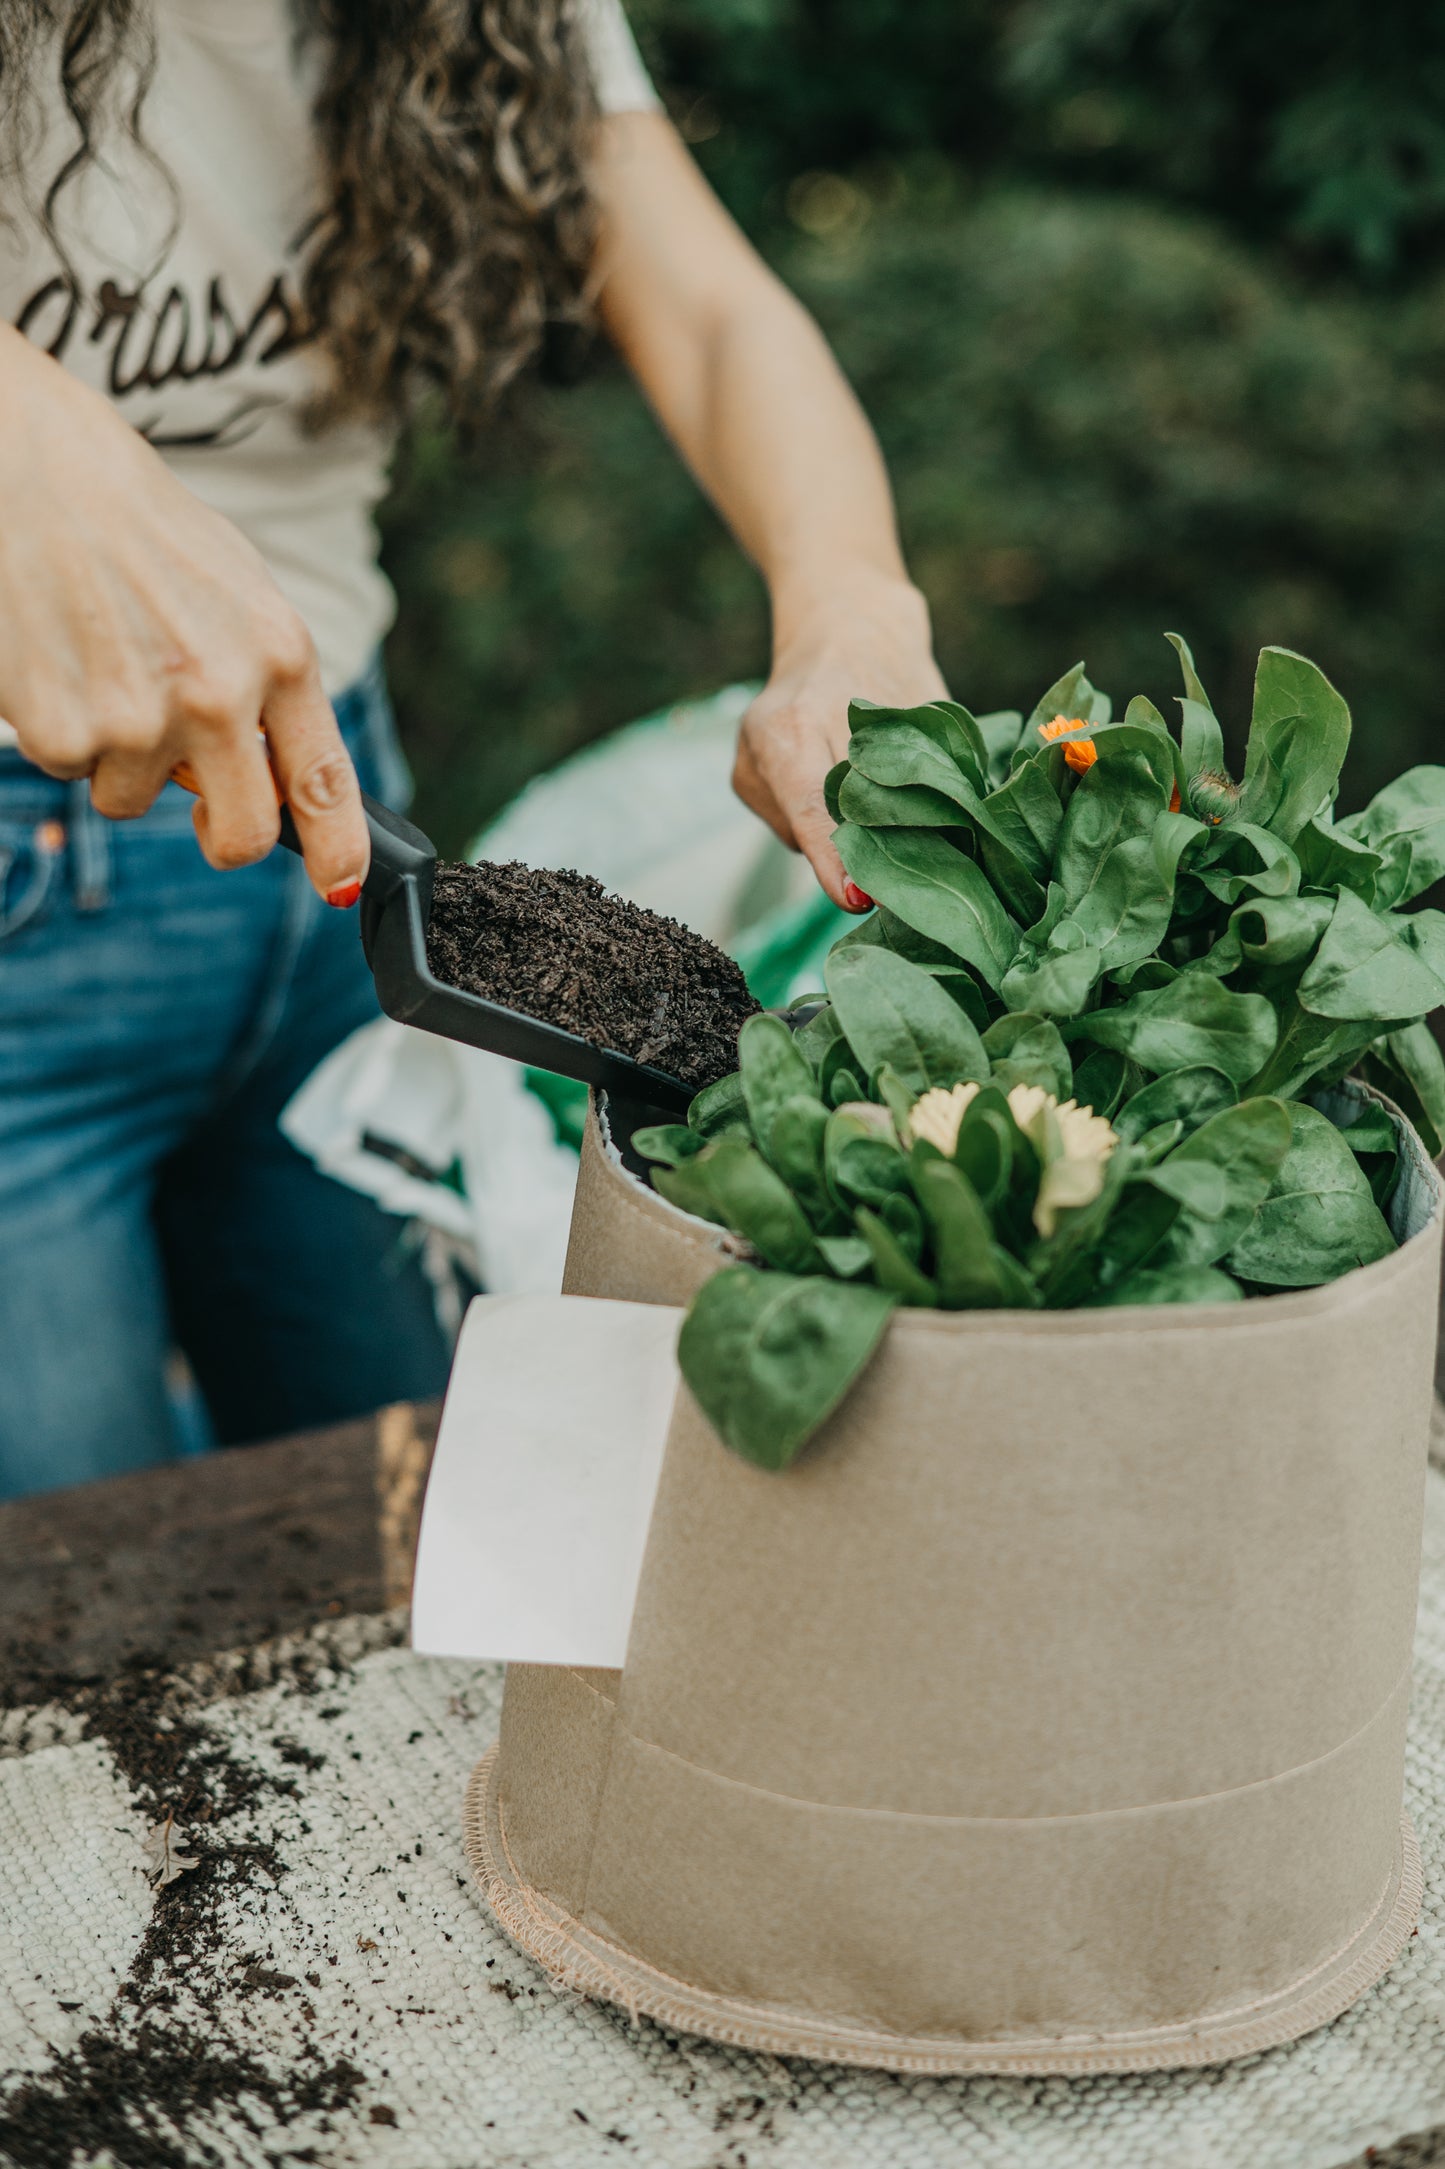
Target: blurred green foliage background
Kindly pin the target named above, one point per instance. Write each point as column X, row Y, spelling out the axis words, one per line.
column 1146, row 299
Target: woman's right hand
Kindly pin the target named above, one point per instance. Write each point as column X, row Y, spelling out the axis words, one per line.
column 139, row 630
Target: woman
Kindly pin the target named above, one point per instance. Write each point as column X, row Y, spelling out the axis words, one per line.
column 239, row 235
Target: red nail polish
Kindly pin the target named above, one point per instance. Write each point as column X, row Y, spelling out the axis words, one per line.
column 344, row 897
column 854, row 898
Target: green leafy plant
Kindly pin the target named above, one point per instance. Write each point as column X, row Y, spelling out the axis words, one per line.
column 1068, row 1060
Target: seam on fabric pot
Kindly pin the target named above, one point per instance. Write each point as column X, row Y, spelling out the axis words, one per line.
column 1223, row 2017
column 1085, row 1815
column 642, row 1989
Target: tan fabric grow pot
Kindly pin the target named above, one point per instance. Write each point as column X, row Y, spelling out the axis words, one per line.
column 1047, row 1716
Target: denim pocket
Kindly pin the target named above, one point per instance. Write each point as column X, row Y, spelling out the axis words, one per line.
column 30, row 858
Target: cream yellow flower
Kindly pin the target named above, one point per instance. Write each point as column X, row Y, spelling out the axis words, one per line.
column 938, row 1114
column 1072, row 1142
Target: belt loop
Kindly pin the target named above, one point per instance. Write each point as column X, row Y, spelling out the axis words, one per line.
column 90, row 851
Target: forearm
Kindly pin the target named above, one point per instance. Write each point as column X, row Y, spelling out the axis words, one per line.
column 741, row 378
column 744, row 383
column 767, row 422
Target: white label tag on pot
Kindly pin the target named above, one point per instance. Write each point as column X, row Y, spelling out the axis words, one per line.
column 541, row 1489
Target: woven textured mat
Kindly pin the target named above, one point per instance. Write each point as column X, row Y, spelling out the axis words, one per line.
column 324, row 1988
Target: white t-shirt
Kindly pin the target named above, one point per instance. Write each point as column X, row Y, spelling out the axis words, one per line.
column 189, row 334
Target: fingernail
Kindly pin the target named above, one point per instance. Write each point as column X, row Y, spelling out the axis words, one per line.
column 854, row 898
column 344, row 897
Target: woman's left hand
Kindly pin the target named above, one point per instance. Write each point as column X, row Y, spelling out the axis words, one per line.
column 870, row 641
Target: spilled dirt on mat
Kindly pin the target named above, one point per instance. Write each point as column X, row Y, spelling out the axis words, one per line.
column 558, row 947
column 136, row 2085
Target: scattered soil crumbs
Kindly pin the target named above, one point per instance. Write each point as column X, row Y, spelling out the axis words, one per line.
column 132, row 2089
column 558, row 947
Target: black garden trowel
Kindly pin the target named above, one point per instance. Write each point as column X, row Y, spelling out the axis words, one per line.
column 396, row 901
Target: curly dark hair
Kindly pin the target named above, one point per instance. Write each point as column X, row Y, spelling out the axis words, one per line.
column 457, row 227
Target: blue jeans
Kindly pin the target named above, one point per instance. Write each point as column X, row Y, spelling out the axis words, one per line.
column 155, row 1018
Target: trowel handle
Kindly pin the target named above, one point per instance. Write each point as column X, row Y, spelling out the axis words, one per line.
column 400, row 853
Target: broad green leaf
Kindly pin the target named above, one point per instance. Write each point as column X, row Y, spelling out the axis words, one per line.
column 894, row 1013
column 1166, row 758
column 1067, row 1263
column 846, row 1256
column 1243, row 1145
column 902, row 756
column 877, row 805
column 901, row 769
column 1243, row 860
column 1320, row 1218
column 774, row 1069
column 670, row 1143
column 1220, row 1176
column 889, row 932
column 1130, row 1227
column 1174, row 1284
column 893, row 1269
column 1071, row 695
column 1027, row 1049
column 1142, row 978
column 1298, row 737
column 984, row 1153
column 1375, row 1143
column 1101, row 1079
column 1424, row 932
column 1193, row 685
column 951, row 728
column 768, row 1356
column 1310, row 1051
column 753, row 1201
column 961, row 735
column 815, row 1039
column 1201, row 741
column 1372, row 1130
column 1331, row 858
column 890, row 1089
column 903, row 1220
column 1156, row 1144
column 1056, row 905
column 688, row 1187
column 795, row 1149
column 1026, row 814
column 1405, row 825
column 1116, row 804
column 1117, row 862
column 862, row 1167
column 936, row 890
column 1141, row 733
column 1000, row 733
column 1408, row 1065
column 971, row 1270
column 833, row 784
column 1053, row 983
column 1367, row 967
column 1282, row 930
column 1195, row 1020
column 1015, row 886
column 844, row 1085
column 1189, row 1096
column 720, row 1109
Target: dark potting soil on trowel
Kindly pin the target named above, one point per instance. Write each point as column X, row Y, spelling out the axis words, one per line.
column 558, row 947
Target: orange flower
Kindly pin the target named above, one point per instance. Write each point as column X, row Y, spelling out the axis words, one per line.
column 1079, row 753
